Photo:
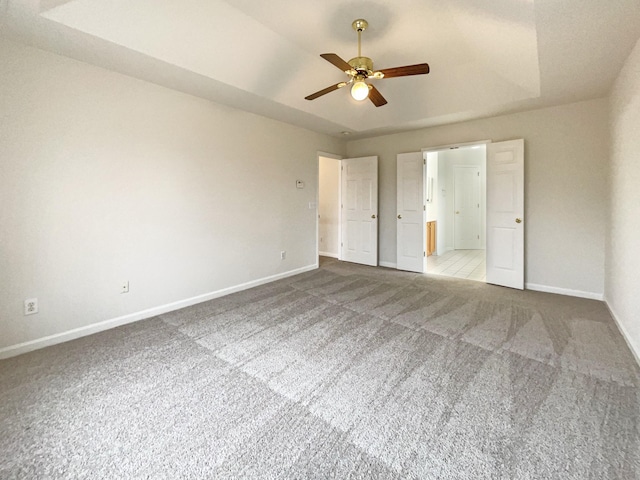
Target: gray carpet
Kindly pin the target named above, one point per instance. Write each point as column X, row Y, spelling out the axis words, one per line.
column 343, row 372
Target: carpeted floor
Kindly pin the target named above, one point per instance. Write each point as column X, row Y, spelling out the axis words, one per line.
column 343, row 372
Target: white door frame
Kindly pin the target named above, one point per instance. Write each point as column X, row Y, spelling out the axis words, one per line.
column 338, row 158
column 454, row 146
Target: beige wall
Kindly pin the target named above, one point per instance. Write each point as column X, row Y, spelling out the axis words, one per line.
column 623, row 246
column 566, row 156
column 104, row 178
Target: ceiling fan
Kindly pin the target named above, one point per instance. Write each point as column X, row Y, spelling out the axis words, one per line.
column 360, row 69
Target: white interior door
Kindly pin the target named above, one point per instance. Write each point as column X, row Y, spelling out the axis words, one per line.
column 411, row 225
column 466, row 204
column 360, row 210
column 505, row 214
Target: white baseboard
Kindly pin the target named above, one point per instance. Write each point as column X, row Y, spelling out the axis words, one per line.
column 327, row 254
column 564, row 291
column 388, row 264
column 625, row 334
column 20, row 348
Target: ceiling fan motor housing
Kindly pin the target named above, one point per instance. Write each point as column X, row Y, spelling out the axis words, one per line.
column 362, row 65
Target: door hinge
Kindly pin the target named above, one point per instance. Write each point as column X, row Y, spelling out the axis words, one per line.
column 425, row 253
column 424, row 161
column 478, row 237
column 478, row 173
column 424, row 207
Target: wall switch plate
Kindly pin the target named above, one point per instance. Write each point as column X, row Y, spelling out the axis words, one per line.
column 30, row 306
column 283, row 254
column 124, row 287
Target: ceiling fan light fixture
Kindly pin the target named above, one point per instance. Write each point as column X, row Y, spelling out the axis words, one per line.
column 359, row 90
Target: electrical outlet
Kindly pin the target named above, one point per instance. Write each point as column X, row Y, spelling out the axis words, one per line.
column 124, row 287
column 283, row 254
column 30, row 306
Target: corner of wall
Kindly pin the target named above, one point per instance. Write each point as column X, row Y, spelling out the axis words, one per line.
column 635, row 349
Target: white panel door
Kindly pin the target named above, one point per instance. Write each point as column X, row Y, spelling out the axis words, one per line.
column 466, row 205
column 411, row 225
column 505, row 214
column 360, row 210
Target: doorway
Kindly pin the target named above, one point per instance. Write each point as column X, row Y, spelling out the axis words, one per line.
column 455, row 183
column 347, row 222
column 328, row 206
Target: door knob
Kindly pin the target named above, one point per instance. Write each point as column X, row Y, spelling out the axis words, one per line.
column 399, row 216
column 518, row 220
column 373, row 216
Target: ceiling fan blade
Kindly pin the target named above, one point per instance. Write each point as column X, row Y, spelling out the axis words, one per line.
column 336, row 60
column 324, row 91
column 376, row 97
column 419, row 69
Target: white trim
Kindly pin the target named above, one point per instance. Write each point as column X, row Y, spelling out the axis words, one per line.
column 330, row 155
column 454, row 145
column 623, row 331
column 340, row 249
column 327, row 254
column 20, row 348
column 564, row 291
column 388, row 264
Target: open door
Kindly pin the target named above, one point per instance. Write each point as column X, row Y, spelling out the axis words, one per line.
column 411, row 225
column 360, row 210
column 505, row 214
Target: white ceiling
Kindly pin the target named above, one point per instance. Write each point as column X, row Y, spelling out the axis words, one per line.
column 486, row 56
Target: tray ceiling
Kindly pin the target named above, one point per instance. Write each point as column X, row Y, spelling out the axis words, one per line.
column 486, row 56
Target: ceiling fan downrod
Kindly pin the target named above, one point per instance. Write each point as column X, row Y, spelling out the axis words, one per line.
column 360, row 26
